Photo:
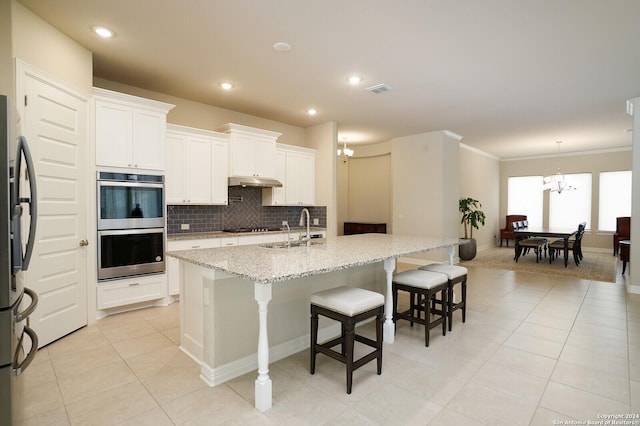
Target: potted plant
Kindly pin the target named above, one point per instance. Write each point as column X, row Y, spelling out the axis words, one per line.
column 472, row 217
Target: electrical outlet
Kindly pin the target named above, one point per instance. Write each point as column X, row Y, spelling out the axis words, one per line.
column 285, row 223
column 316, row 221
column 184, row 226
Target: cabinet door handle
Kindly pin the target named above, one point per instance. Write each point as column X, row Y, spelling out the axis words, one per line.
column 84, row 243
column 133, row 284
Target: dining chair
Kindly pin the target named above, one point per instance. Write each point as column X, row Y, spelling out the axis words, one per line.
column 575, row 245
column 538, row 244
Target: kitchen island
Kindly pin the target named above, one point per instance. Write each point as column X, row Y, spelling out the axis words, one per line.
column 217, row 322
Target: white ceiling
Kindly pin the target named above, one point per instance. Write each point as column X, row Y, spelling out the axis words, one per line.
column 511, row 77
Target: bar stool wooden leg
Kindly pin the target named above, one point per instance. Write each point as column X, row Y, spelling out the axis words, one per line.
column 314, row 339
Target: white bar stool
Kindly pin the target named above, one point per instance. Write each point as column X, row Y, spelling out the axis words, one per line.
column 349, row 306
column 455, row 275
column 421, row 286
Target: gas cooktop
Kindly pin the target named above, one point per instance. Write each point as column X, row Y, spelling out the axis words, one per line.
column 250, row 230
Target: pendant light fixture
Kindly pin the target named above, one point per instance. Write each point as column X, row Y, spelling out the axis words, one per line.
column 557, row 182
column 345, row 152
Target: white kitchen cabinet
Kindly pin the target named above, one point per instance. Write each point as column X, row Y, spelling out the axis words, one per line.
column 220, row 171
column 277, row 196
column 129, row 131
column 173, row 264
column 300, row 178
column 295, row 169
column 229, row 241
column 251, row 151
column 196, row 171
column 111, row 294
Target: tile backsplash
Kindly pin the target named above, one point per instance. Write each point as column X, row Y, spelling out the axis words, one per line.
column 245, row 210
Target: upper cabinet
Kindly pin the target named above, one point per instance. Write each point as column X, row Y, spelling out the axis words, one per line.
column 129, row 131
column 196, row 166
column 295, row 169
column 251, row 151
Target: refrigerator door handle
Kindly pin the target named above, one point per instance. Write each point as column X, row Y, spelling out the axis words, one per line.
column 18, row 368
column 21, row 316
column 23, row 148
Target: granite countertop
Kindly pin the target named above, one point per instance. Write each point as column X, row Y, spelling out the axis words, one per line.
column 222, row 234
column 266, row 265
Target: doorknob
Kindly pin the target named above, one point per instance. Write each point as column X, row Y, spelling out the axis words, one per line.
column 84, row 243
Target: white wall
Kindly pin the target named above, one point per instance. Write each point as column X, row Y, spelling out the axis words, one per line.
column 323, row 138
column 480, row 179
column 6, row 53
column 634, row 255
column 369, row 189
column 346, row 185
column 42, row 46
column 425, row 186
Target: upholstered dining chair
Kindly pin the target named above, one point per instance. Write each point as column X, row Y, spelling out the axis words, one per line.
column 538, row 244
column 575, row 245
column 506, row 233
column 623, row 232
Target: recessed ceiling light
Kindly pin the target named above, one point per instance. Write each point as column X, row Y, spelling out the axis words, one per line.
column 226, row 85
column 312, row 111
column 282, row 46
column 354, row 80
column 103, row 32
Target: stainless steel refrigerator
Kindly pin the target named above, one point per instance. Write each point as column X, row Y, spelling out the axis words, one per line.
column 18, row 342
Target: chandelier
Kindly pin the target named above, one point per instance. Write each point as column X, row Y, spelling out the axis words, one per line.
column 557, row 182
column 345, row 152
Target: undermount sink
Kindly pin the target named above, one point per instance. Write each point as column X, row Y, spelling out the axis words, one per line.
column 283, row 244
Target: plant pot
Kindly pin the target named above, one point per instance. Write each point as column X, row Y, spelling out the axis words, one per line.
column 467, row 251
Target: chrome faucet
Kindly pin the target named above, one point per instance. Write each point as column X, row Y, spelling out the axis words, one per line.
column 302, row 217
column 288, row 233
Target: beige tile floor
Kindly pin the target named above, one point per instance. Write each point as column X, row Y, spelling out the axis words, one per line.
column 535, row 349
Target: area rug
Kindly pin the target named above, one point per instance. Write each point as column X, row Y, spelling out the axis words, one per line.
column 594, row 266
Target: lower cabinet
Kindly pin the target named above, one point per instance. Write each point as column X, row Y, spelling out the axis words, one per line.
column 173, row 264
column 111, row 294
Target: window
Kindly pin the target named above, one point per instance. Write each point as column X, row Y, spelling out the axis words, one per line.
column 524, row 196
column 615, row 198
column 570, row 208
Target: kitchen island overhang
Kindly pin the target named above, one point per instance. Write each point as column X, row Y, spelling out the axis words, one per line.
column 347, row 260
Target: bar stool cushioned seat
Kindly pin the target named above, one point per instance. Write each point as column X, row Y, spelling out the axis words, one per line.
column 421, row 286
column 350, row 306
column 455, row 275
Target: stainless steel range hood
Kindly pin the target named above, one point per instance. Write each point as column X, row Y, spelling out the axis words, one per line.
column 254, row 181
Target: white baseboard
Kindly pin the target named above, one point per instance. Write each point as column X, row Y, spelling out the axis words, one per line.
column 635, row 289
column 231, row 370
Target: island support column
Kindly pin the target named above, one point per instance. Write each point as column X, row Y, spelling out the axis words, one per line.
column 389, row 327
column 263, row 382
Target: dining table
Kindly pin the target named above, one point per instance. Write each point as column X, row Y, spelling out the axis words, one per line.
column 543, row 231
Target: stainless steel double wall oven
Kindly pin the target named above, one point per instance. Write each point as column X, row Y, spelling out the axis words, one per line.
column 131, row 224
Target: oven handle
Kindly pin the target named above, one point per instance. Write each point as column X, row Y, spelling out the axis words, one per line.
column 18, row 368
column 132, row 231
column 21, row 316
column 131, row 184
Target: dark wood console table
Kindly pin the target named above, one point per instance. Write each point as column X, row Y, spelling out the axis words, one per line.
column 351, row 228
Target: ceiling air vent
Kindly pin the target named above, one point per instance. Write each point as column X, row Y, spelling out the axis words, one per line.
column 379, row 88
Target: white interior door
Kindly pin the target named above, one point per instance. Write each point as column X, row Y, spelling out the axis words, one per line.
column 54, row 121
